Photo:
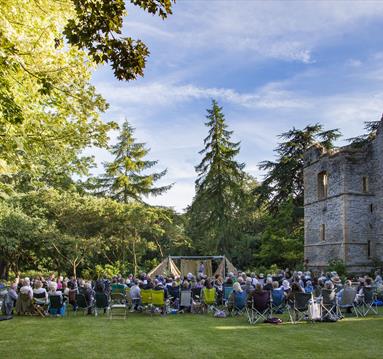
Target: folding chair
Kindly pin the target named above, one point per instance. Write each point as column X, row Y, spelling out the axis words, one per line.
column 299, row 306
column 196, row 293
column 118, row 288
column 240, row 301
column 72, row 298
column 146, row 299
column 328, row 303
column 3, row 293
column 368, row 301
column 101, row 303
column 278, row 301
column 158, row 301
column 56, row 305
column 186, row 299
column 208, row 299
column 260, row 307
column 40, row 303
column 197, row 306
column 117, row 301
column 227, row 290
column 348, row 301
column 128, row 298
column 24, row 304
column 81, row 303
column 174, row 297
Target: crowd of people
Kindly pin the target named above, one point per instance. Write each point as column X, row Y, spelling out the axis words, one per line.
column 39, row 291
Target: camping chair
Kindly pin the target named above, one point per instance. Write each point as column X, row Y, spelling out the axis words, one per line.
column 56, row 305
column 101, row 303
column 128, row 298
column 117, row 301
column 208, row 299
column 348, row 301
column 278, row 301
column 368, row 301
column 118, row 288
column 158, row 301
column 81, row 303
column 227, row 290
column 186, row 299
column 240, row 301
column 24, row 304
column 197, row 305
column 299, row 306
column 146, row 299
column 72, row 298
column 260, row 307
column 3, row 293
column 40, row 303
column 328, row 303
column 174, row 296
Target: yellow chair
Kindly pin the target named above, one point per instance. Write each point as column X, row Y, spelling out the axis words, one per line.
column 158, row 300
column 146, row 298
column 208, row 299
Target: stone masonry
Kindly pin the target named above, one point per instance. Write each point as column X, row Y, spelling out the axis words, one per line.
column 344, row 205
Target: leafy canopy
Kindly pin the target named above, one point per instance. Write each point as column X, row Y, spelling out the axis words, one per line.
column 97, row 26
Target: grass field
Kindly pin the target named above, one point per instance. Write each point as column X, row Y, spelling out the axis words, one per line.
column 187, row 336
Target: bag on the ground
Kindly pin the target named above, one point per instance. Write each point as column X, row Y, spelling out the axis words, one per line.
column 273, row 321
column 220, row 314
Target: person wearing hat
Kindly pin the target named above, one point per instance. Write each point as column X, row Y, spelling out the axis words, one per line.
column 337, row 282
column 286, row 286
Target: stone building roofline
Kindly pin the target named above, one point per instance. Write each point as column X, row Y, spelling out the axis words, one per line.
column 317, row 151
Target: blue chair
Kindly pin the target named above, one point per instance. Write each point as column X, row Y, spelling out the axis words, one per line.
column 227, row 290
column 240, row 301
column 278, row 301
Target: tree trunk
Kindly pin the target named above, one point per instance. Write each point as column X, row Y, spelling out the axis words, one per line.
column 74, row 269
column 134, row 256
column 4, row 270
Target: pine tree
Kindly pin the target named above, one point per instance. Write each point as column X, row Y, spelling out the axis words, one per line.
column 284, row 177
column 218, row 188
column 125, row 177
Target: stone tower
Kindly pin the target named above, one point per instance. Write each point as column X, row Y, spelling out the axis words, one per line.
column 343, row 205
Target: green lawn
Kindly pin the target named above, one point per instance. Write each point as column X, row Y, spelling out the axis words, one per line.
column 187, row 336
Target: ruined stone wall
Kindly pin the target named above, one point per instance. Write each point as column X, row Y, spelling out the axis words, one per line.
column 329, row 211
column 353, row 218
column 377, row 188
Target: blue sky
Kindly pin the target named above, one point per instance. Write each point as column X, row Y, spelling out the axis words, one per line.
column 271, row 65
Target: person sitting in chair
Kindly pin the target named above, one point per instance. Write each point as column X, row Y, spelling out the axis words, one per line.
column 230, row 302
column 10, row 300
column 39, row 291
column 26, row 288
column 53, row 292
column 135, row 294
column 88, row 293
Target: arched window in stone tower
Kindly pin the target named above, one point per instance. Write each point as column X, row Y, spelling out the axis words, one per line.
column 322, row 185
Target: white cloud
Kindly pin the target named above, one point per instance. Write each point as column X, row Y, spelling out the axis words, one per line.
column 286, row 30
column 157, row 93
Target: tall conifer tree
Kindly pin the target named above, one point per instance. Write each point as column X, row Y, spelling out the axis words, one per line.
column 218, row 188
column 125, row 178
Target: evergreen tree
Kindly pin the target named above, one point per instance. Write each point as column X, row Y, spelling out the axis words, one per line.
column 218, row 188
column 125, row 179
column 284, row 177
